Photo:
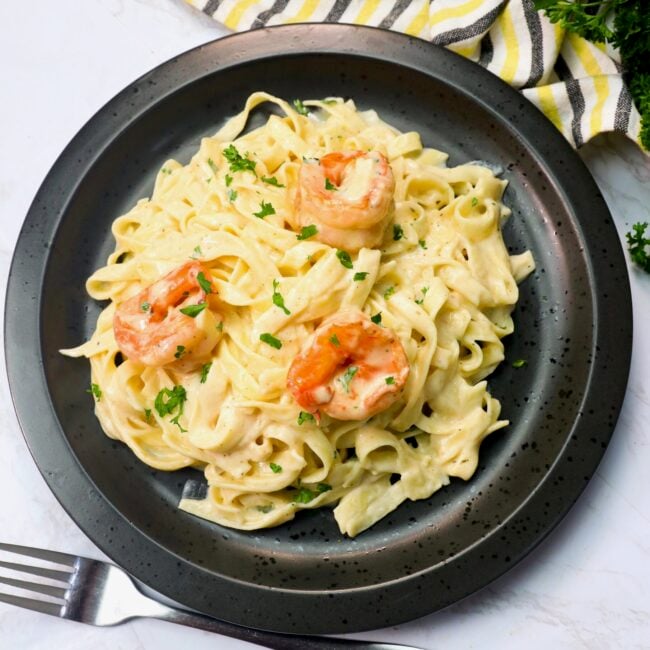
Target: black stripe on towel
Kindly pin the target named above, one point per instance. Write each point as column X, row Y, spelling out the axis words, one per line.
column 577, row 101
column 623, row 110
column 337, row 11
column 398, row 9
column 476, row 28
column 264, row 16
column 211, row 6
column 487, row 51
column 537, row 44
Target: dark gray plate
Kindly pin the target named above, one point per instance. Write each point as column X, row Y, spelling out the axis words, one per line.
column 573, row 329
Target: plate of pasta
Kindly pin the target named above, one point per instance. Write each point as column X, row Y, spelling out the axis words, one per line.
column 332, row 337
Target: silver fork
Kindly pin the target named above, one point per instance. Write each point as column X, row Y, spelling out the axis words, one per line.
column 99, row 593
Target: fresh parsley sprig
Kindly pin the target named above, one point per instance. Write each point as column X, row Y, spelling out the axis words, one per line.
column 639, row 246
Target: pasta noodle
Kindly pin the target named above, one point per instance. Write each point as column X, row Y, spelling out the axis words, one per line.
column 441, row 280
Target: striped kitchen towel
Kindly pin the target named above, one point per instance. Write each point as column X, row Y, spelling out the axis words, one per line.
column 576, row 83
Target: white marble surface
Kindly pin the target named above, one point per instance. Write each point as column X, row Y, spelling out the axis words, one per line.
column 587, row 586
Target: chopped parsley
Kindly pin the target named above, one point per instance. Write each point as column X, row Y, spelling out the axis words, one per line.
column 228, row 179
column 194, row 310
column 204, row 283
column 398, row 232
column 422, row 244
column 278, row 300
column 145, row 306
column 266, row 508
column 197, row 251
column 272, row 180
column 519, row 363
column 300, row 107
column 376, row 319
column 334, row 340
column 305, row 495
column 389, row 292
column 164, row 170
column 95, row 391
column 205, row 369
column 220, row 326
column 238, row 163
column 344, row 258
column 347, row 377
column 424, row 293
column 276, row 469
column 180, row 351
column 169, row 400
column 390, row 380
column 213, row 167
column 360, row 276
column 232, row 195
column 147, row 414
column 474, row 201
column 306, row 232
column 269, row 339
column 303, row 417
column 636, row 245
column 330, row 186
column 265, row 210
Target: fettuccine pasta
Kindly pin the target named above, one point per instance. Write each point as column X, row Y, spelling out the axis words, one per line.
column 434, row 275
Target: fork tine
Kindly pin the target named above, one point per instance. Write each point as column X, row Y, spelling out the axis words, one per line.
column 40, row 553
column 61, row 576
column 30, row 603
column 46, row 590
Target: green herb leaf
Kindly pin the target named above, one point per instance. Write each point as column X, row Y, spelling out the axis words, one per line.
column 376, row 319
column 194, row 310
column 637, row 243
column 304, row 495
column 389, row 292
column 276, row 469
column 180, row 351
column 519, row 363
column 238, row 163
column 213, row 167
column 232, row 195
column 422, row 244
column 205, row 369
column 424, row 293
column 204, row 283
column 169, row 400
column 360, row 276
column 95, row 391
column 347, row 377
column 147, row 414
column 277, row 298
column 265, row 210
column 145, row 306
column 220, row 326
column 344, row 258
column 300, row 107
column 269, row 339
column 228, row 179
column 306, row 232
column 334, row 340
column 266, row 508
column 398, row 232
column 303, row 417
column 197, row 252
column 272, row 180
column 474, row 201
column 164, row 170
column 330, row 186
column 323, row 487
column 390, row 380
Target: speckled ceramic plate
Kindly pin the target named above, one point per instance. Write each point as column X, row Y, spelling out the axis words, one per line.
column 573, row 329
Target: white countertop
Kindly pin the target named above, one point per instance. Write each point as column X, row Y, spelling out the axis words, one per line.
column 586, row 586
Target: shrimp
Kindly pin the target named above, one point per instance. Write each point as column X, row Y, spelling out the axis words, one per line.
column 348, row 196
column 150, row 327
column 350, row 368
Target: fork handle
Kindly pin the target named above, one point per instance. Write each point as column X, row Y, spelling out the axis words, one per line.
column 270, row 639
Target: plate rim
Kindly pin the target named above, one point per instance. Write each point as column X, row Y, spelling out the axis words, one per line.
column 53, row 455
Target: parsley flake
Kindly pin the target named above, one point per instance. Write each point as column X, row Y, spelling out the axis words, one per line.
column 306, row 232
column 636, row 245
column 228, row 179
column 180, row 351
column 265, row 210
column 205, row 369
column 95, row 391
column 213, row 167
column 197, row 251
column 330, row 186
column 389, row 292
column 303, row 417
column 194, row 310
column 300, row 107
column 147, row 414
column 169, row 400
column 519, row 363
column 360, row 276
column 269, row 339
column 344, row 258
column 278, row 300
column 145, row 306
column 422, row 244
column 398, row 232
column 238, row 163
column 348, row 376
column 334, row 340
column 204, row 283
column 390, row 380
column 276, row 469
column 424, row 293
column 474, row 201
column 232, row 195
column 266, row 508
column 376, row 319
column 272, row 180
